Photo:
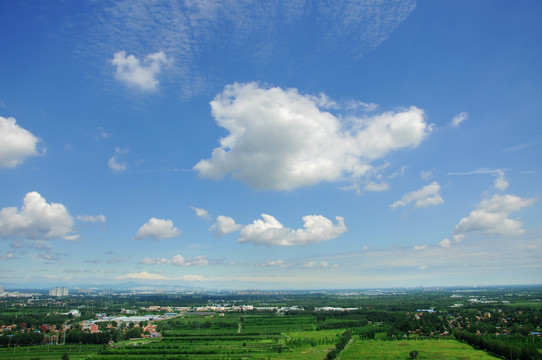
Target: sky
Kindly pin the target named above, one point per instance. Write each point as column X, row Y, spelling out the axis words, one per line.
column 281, row 144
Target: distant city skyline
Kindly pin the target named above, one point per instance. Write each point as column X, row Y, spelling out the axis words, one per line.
column 270, row 145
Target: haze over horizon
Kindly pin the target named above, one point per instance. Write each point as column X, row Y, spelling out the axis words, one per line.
column 271, row 145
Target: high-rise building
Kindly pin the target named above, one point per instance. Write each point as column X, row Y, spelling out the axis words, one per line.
column 2, row 289
column 107, row 292
column 58, row 291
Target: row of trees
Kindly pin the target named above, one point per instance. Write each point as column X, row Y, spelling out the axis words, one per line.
column 343, row 341
column 509, row 351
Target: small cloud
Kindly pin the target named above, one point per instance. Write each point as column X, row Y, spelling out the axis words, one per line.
column 315, row 264
column 92, row 219
column 224, row 225
column 426, row 174
column 8, row 256
column 373, row 186
column 114, row 163
column 116, row 260
column 141, row 75
column 275, row 263
column 500, row 183
column 17, row 143
column 157, row 229
column 445, row 243
column 419, row 247
column 102, row 134
column 201, row 213
column 269, row 231
column 423, row 267
column 459, row 118
column 426, row 196
column 178, row 260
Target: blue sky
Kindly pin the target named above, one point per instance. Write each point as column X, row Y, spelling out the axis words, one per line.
column 285, row 144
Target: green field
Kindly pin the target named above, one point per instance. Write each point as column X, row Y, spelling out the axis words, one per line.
column 44, row 352
column 400, row 349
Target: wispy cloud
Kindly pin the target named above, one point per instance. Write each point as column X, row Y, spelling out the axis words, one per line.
column 93, row 219
column 178, row 260
column 428, row 195
column 459, row 118
column 500, row 182
column 188, row 31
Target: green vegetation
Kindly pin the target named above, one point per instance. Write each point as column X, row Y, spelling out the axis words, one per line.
column 452, row 324
column 402, row 349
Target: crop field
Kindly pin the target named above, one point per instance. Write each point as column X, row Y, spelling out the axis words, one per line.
column 232, row 337
column 400, row 349
column 45, row 352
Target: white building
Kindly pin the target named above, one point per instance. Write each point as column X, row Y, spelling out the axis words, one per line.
column 58, row 291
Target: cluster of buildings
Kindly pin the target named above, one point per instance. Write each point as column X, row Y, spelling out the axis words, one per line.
column 58, row 291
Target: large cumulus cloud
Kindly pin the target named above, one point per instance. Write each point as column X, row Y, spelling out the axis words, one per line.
column 281, row 140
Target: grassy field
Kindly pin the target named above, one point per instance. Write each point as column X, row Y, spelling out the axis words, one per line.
column 400, row 349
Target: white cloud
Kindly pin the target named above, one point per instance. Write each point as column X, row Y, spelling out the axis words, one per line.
column 37, row 219
column 459, row 118
column 193, row 278
column 224, row 225
column 157, row 229
column 178, row 260
column 419, row 247
column 281, row 140
column 16, row 143
column 426, row 174
column 114, row 163
column 491, row 216
column 275, row 263
column 269, row 231
column 313, row 264
column 93, row 219
column 445, row 243
column 143, row 275
column 373, row 186
column 426, row 196
column 201, row 213
column 500, row 183
column 423, row 267
column 155, row 261
column 8, row 256
column 186, row 30
column 136, row 74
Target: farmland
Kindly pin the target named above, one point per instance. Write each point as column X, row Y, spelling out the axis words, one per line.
column 398, row 325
